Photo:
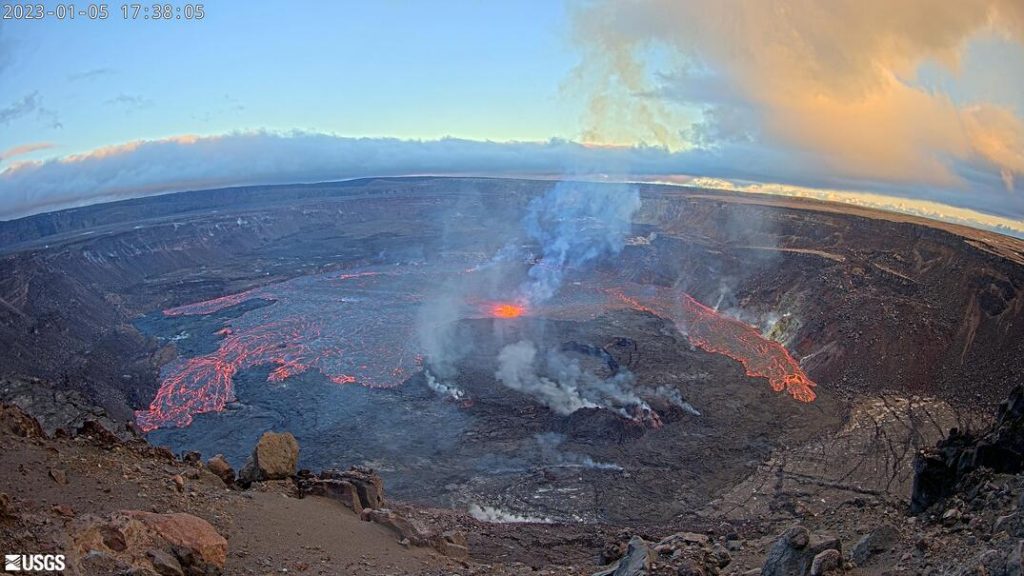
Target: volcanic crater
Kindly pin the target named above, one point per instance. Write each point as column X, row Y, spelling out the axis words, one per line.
column 734, row 349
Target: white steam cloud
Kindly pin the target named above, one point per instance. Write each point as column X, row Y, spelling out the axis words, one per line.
column 575, row 223
column 560, row 383
column 550, row 444
column 497, row 516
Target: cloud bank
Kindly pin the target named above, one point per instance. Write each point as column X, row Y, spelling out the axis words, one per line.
column 830, row 84
column 193, row 162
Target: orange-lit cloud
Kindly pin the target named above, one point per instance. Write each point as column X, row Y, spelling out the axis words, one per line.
column 24, row 149
column 128, row 147
column 833, row 79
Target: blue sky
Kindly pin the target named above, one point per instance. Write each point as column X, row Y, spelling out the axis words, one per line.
column 481, row 70
column 918, row 101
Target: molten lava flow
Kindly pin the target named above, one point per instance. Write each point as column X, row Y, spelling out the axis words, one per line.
column 708, row 330
column 210, row 306
column 315, row 324
column 507, row 310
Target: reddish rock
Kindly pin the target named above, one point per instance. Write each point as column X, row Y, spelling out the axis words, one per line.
column 220, row 468
column 190, row 532
column 17, row 422
column 98, row 434
column 137, row 540
column 275, row 457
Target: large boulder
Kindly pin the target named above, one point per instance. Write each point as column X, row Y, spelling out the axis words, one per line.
column 794, row 551
column 827, row 562
column 220, row 467
column 1015, row 560
column 879, row 540
column 358, row 488
column 416, row 533
column 636, row 562
column 132, row 541
column 411, row 531
column 275, row 457
column 14, row 420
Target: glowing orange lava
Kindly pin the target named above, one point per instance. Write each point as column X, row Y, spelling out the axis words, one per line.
column 712, row 332
column 507, row 310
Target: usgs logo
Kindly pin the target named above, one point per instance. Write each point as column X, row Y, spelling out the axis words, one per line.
column 33, row 562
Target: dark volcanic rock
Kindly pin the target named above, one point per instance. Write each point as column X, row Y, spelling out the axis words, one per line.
column 826, row 561
column 684, row 554
column 451, row 543
column 56, row 408
column 358, row 488
column 6, row 510
column 794, row 552
column 939, row 470
column 165, row 564
column 635, row 563
column 878, row 540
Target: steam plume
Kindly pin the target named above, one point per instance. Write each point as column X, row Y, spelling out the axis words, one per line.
column 560, row 383
column 550, row 444
column 575, row 224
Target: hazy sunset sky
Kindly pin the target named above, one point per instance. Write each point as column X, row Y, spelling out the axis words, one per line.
column 917, row 100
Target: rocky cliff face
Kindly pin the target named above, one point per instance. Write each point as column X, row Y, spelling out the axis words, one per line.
column 951, row 466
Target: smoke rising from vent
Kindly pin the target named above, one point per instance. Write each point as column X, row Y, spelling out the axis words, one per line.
column 436, row 331
column 442, row 388
column 672, row 396
column 560, row 383
column 550, row 444
column 517, row 369
column 493, row 515
column 575, row 224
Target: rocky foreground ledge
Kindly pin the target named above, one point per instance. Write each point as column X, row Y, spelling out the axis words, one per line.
column 114, row 504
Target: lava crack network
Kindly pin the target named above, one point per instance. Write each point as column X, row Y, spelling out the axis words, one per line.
column 710, row 331
column 351, row 328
